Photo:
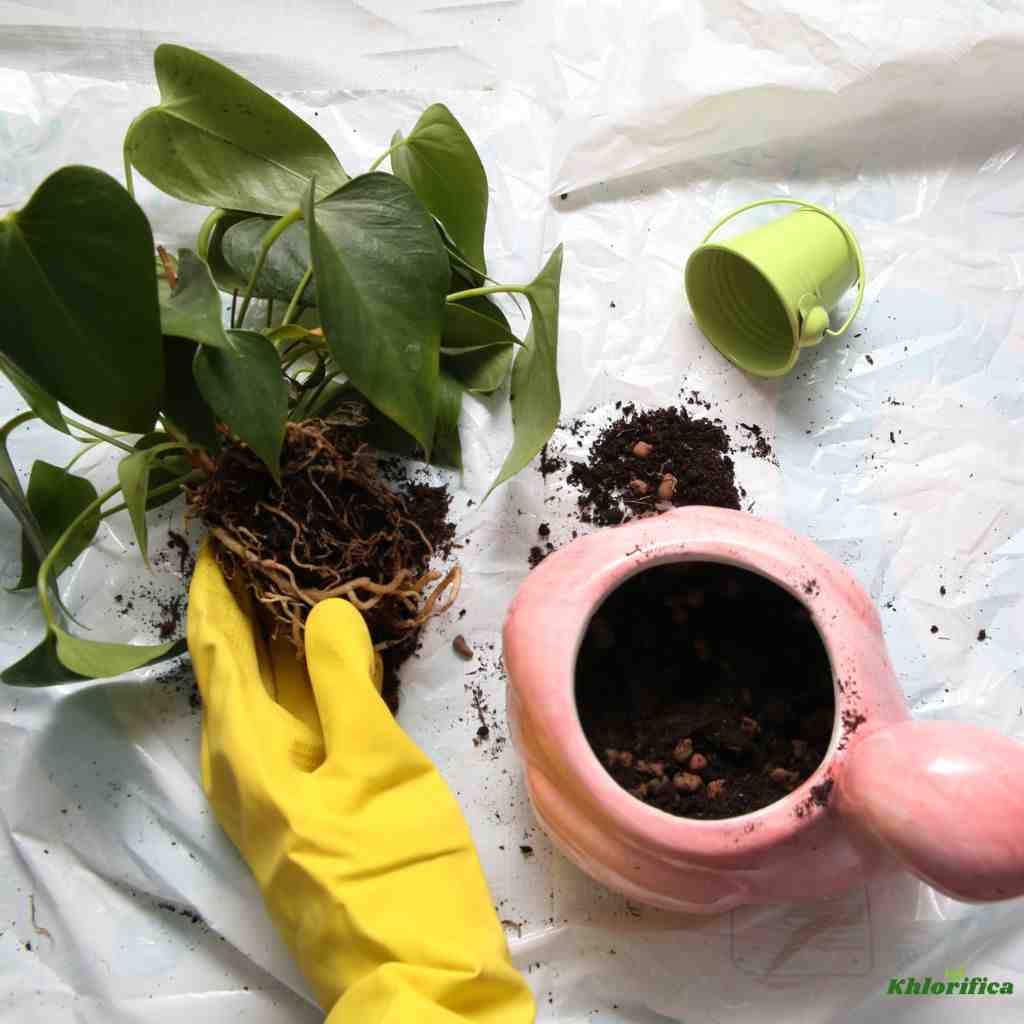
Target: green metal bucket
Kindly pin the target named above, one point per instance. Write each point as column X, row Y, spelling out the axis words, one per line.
column 762, row 296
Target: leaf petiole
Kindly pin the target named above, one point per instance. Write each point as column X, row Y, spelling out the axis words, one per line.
column 297, row 296
column 376, row 163
column 494, row 289
column 99, row 435
column 13, row 423
column 84, row 450
column 157, row 492
column 129, row 180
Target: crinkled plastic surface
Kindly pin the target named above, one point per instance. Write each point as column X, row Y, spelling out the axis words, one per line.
column 624, row 130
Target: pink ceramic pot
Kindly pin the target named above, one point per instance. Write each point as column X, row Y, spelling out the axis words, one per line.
column 941, row 799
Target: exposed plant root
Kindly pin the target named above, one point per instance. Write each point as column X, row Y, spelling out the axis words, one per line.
column 332, row 528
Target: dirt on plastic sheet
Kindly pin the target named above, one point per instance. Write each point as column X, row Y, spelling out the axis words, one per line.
column 649, row 461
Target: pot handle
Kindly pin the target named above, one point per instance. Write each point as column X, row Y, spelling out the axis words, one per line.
column 947, row 799
column 851, row 240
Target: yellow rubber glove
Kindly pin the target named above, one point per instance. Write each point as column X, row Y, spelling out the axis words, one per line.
column 363, row 856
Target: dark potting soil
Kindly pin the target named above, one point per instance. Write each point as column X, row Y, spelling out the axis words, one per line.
column 705, row 690
column 650, row 461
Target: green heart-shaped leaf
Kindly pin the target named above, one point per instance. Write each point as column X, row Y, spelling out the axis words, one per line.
column 535, row 397
column 477, row 347
column 98, row 659
column 40, row 667
column 285, row 263
column 441, row 165
column 81, row 299
column 218, row 140
column 246, row 389
column 192, row 309
column 63, row 658
column 133, row 476
column 381, row 272
column 56, row 498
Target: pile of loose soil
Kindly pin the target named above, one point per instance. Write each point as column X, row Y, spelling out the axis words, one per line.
column 705, row 690
column 338, row 525
column 651, row 461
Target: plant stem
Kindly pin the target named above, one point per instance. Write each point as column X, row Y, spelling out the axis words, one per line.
column 471, row 293
column 129, row 180
column 11, row 424
column 234, row 302
column 84, row 450
column 376, row 163
column 8, row 474
column 98, row 434
column 476, row 270
column 270, row 312
column 155, row 493
column 297, row 296
column 44, row 569
column 268, row 240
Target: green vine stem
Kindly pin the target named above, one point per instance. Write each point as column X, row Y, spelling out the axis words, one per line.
column 13, row 423
column 98, row 434
column 129, row 179
column 269, row 239
column 293, row 305
column 376, row 163
column 155, row 493
column 7, row 470
column 85, row 449
column 452, row 254
column 494, row 289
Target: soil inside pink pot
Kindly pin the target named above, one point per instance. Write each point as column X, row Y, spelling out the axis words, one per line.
column 705, row 690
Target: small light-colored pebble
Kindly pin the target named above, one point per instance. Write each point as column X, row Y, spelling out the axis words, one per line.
column 687, row 782
column 684, row 748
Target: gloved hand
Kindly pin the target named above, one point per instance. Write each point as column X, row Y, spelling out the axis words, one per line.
column 364, row 859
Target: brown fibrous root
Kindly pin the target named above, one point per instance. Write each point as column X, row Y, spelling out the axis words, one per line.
column 333, row 527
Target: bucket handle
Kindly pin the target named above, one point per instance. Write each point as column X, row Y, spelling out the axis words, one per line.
column 847, row 233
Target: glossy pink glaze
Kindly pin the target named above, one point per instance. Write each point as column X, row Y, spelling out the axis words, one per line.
column 947, row 799
column 797, row 849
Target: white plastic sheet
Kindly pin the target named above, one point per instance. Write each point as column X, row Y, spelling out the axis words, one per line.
column 652, row 121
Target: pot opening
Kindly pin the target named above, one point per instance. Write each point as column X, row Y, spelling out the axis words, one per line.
column 705, row 690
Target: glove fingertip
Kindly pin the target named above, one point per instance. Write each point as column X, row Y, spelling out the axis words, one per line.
column 336, row 629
